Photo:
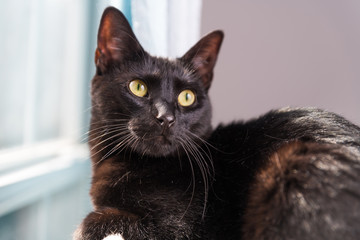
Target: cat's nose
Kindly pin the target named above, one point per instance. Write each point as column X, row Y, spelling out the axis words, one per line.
column 166, row 120
column 165, row 115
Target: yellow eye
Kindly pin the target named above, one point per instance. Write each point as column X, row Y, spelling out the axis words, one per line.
column 186, row 98
column 138, row 88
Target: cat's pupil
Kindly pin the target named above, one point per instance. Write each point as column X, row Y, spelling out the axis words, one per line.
column 186, row 96
column 138, row 87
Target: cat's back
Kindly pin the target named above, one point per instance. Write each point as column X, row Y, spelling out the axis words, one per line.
column 305, row 191
column 289, row 174
column 277, row 127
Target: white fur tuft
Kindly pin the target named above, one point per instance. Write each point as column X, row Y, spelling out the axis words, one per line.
column 78, row 233
column 114, row 237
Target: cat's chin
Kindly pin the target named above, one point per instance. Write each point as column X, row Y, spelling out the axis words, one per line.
column 159, row 146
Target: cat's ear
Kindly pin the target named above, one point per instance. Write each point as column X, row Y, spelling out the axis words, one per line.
column 202, row 56
column 116, row 41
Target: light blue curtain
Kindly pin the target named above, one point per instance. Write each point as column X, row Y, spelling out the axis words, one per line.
column 166, row 28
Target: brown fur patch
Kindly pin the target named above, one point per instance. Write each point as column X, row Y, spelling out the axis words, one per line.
column 111, row 213
column 299, row 190
column 266, row 194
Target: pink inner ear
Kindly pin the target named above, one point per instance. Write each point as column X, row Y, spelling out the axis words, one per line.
column 116, row 41
column 203, row 56
column 107, row 50
column 105, row 37
column 97, row 56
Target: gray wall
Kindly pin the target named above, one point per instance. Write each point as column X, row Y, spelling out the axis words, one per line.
column 285, row 53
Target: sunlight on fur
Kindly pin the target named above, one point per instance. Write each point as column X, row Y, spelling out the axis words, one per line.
column 114, row 237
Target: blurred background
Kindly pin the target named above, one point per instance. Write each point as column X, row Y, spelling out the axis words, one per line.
column 275, row 54
column 285, row 53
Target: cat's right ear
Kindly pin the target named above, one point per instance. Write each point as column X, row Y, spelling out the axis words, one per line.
column 116, row 41
column 202, row 57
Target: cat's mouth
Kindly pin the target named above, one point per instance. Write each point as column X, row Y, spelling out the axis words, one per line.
column 159, row 140
column 162, row 139
column 157, row 146
column 155, row 143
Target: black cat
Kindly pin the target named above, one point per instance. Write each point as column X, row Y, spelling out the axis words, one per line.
column 290, row 174
column 150, row 116
column 160, row 172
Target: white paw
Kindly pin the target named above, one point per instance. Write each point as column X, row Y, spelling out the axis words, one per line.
column 114, row 237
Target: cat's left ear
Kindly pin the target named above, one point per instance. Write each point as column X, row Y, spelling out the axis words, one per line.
column 116, row 41
column 202, row 56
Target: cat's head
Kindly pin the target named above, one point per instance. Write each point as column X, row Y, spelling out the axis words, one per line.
column 154, row 106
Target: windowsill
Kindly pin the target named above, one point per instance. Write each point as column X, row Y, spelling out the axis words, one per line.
column 22, row 186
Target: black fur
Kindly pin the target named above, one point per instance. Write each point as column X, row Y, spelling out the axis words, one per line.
column 245, row 149
column 160, row 172
column 151, row 170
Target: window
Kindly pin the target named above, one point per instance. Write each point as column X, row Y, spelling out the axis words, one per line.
column 44, row 168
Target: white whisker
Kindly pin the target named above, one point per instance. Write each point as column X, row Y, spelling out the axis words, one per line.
column 124, row 140
column 200, row 161
column 193, row 176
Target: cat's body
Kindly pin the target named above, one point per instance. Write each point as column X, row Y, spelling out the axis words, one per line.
column 290, row 174
column 149, row 116
column 159, row 172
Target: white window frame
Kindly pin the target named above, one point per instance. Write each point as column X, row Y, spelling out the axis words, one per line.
column 32, row 170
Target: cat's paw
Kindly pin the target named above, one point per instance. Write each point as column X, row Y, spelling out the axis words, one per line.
column 114, row 237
